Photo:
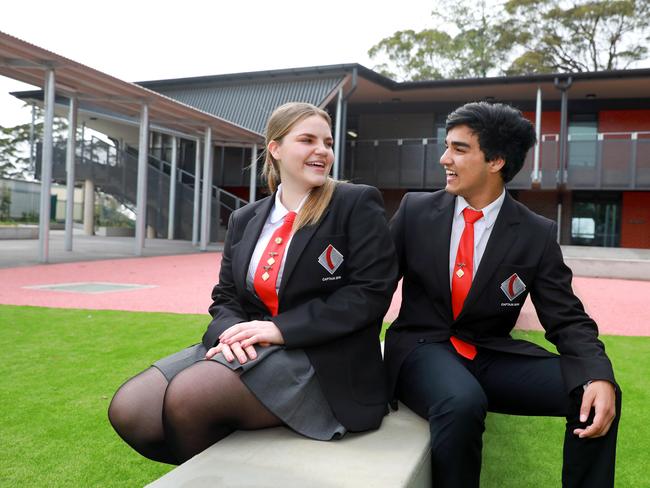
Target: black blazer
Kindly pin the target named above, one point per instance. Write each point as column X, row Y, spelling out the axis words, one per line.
column 521, row 242
column 335, row 318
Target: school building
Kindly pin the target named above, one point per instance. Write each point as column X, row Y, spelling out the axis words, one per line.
column 590, row 170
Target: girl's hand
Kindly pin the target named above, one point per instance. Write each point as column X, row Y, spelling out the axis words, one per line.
column 229, row 351
column 262, row 332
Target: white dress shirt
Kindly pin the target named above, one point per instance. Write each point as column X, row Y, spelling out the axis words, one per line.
column 482, row 230
column 273, row 222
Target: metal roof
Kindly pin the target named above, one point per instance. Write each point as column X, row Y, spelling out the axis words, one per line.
column 26, row 62
column 326, row 70
column 248, row 101
column 247, row 98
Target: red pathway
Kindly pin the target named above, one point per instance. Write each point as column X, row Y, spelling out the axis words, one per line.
column 182, row 284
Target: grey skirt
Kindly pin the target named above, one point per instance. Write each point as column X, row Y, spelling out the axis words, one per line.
column 284, row 381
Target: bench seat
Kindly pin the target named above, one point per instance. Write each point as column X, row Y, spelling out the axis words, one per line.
column 396, row 455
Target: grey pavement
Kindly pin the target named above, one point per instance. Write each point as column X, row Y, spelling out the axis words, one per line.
column 598, row 262
column 25, row 252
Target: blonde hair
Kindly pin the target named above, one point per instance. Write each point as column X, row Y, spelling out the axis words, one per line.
column 279, row 125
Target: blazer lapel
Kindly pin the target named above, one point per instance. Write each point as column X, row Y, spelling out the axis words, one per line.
column 441, row 223
column 503, row 236
column 247, row 244
column 298, row 242
column 438, row 225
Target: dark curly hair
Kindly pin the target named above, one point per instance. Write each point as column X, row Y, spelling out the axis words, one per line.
column 502, row 132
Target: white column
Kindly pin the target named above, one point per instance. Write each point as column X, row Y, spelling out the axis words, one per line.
column 69, row 167
column 196, row 212
column 538, row 132
column 89, row 207
column 559, row 222
column 141, row 199
column 46, row 168
column 172, row 189
column 253, row 185
column 207, row 190
column 337, row 135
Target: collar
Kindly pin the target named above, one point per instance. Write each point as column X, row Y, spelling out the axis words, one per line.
column 279, row 211
column 490, row 212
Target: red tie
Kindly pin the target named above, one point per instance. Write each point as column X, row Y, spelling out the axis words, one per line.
column 462, row 277
column 266, row 275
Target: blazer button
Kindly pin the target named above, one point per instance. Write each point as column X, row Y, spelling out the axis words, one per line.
column 421, row 341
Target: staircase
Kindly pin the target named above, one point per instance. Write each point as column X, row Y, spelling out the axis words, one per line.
column 115, row 172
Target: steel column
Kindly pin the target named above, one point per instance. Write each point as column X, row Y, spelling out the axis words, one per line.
column 342, row 137
column 172, row 189
column 564, row 131
column 141, row 198
column 337, row 133
column 196, row 211
column 564, row 136
column 207, row 190
column 32, row 154
column 69, row 167
column 46, row 167
column 253, row 183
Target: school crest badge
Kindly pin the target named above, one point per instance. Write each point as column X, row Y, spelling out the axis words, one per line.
column 513, row 286
column 330, row 259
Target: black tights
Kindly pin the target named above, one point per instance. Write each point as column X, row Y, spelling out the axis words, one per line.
column 171, row 422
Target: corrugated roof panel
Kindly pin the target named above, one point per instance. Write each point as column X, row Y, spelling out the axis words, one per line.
column 249, row 104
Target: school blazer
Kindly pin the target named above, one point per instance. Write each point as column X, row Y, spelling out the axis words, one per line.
column 335, row 317
column 522, row 243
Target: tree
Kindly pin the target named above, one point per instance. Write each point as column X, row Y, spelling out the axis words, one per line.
column 14, row 145
column 482, row 38
column 465, row 43
column 560, row 36
column 12, row 162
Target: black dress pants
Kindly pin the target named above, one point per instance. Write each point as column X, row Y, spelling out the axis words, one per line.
column 454, row 394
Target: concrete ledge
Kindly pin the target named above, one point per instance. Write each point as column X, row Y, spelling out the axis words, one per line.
column 115, row 231
column 608, row 262
column 18, row 232
column 626, row 269
column 396, row 455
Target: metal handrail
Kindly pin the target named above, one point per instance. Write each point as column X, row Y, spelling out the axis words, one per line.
column 219, row 191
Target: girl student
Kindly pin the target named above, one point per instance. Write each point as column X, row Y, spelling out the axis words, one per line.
column 306, row 277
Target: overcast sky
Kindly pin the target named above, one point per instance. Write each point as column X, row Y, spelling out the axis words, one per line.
column 138, row 40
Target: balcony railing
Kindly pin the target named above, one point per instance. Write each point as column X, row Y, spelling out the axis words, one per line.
column 616, row 160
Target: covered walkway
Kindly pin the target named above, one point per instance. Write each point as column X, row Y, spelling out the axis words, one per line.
column 82, row 87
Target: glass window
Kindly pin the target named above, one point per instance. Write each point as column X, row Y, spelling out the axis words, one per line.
column 583, row 228
column 441, row 133
column 596, row 219
column 583, row 140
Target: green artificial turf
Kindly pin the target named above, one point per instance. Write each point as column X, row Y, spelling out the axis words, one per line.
column 59, row 370
column 527, row 451
column 60, row 367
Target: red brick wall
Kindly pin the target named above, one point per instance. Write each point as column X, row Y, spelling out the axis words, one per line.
column 624, row 120
column 635, row 225
column 550, row 121
column 608, row 121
